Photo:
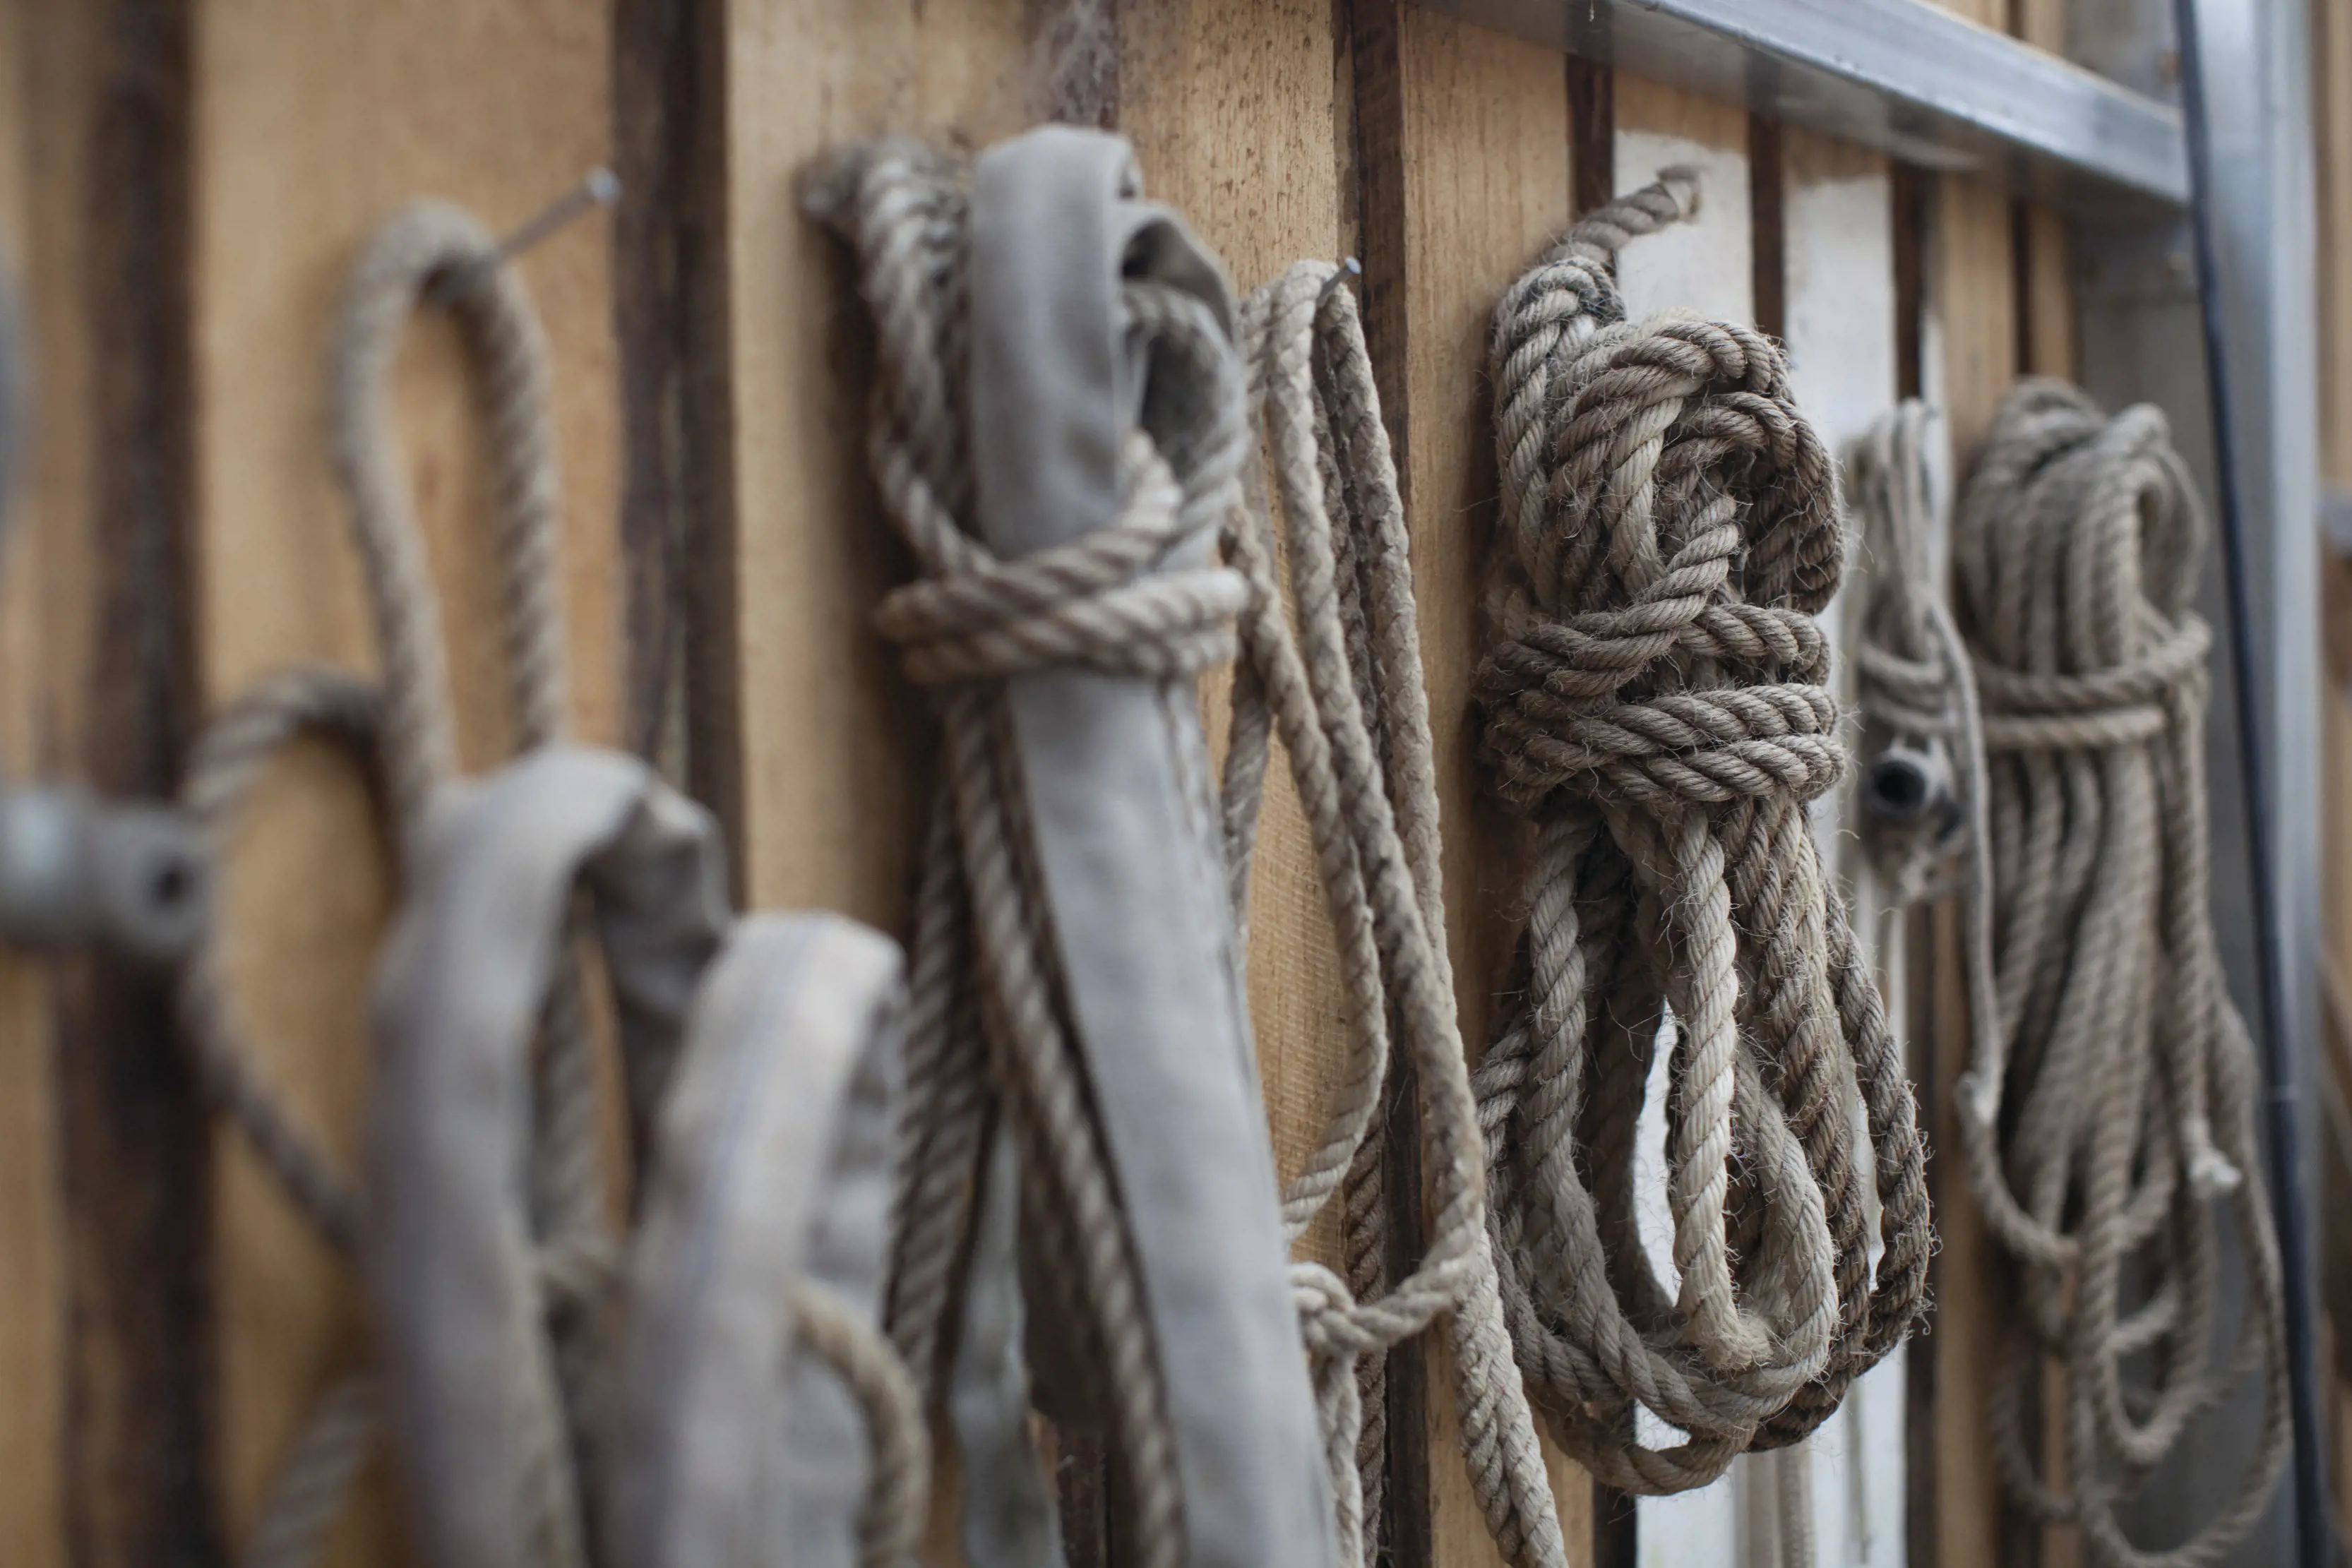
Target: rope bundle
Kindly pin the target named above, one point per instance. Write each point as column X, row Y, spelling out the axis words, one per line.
column 1656, row 709
column 1346, row 695
column 2109, row 1115
column 989, row 1019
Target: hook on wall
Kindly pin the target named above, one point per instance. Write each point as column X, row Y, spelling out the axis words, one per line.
column 74, row 868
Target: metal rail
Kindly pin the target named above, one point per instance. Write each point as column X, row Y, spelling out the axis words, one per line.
column 1902, row 76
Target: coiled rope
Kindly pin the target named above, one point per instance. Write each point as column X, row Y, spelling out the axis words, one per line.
column 1656, row 709
column 2110, row 1114
column 988, row 1020
column 1346, row 695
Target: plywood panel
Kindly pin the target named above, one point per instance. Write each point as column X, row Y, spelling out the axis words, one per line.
column 313, row 122
column 1481, row 149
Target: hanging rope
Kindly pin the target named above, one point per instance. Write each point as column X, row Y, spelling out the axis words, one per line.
column 991, row 1021
column 402, row 735
column 399, row 734
column 1345, row 692
column 1656, row 710
column 2110, row 1114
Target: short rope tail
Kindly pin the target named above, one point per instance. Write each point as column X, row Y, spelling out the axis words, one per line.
column 2113, row 1115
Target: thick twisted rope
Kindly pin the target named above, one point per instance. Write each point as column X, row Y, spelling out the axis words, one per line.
column 2109, row 1114
column 983, row 975
column 1656, row 709
column 1346, row 695
column 402, row 734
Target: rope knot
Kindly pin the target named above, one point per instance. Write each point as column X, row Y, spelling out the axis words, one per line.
column 1110, row 600
column 1658, row 603
column 2112, row 709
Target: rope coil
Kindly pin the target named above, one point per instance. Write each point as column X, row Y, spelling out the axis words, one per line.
column 2110, row 1110
column 1657, row 709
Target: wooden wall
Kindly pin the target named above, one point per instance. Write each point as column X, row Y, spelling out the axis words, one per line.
column 183, row 184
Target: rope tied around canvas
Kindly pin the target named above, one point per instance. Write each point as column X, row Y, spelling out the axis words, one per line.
column 1656, row 710
column 1345, row 692
column 2110, row 1114
column 1002, row 1034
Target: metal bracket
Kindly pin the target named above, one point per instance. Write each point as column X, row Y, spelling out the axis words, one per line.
column 1905, row 76
column 74, row 869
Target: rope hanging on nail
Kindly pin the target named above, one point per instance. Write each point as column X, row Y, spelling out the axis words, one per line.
column 988, row 1023
column 2109, row 1117
column 1344, row 692
column 1656, row 710
column 400, row 733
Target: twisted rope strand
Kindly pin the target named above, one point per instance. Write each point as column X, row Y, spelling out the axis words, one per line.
column 1657, row 708
column 2110, row 1111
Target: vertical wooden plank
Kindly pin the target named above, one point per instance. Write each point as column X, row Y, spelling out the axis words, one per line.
column 829, row 787
column 1972, row 360
column 2046, row 344
column 1231, row 106
column 108, row 95
column 1969, row 360
column 40, row 181
column 313, row 122
column 1464, row 163
column 2044, row 288
column 1707, row 265
column 807, row 738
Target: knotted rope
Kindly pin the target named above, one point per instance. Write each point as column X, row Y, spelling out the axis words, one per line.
column 1345, row 692
column 988, row 1017
column 1656, row 709
column 2110, row 1112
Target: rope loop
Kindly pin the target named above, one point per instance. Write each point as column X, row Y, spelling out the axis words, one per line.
column 1333, row 667
column 417, row 246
